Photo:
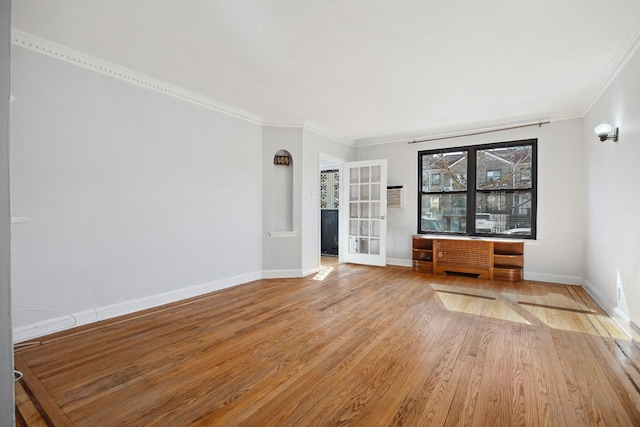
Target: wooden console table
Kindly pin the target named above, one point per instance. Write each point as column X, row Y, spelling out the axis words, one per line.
column 481, row 258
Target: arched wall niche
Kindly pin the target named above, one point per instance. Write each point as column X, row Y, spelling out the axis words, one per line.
column 282, row 215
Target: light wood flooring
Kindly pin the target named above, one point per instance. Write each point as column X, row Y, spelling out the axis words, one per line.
column 353, row 345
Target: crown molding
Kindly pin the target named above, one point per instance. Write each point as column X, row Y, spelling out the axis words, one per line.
column 461, row 131
column 80, row 59
column 46, row 47
column 307, row 125
column 619, row 60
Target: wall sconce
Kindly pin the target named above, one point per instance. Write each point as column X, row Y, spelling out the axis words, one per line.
column 603, row 130
column 282, row 160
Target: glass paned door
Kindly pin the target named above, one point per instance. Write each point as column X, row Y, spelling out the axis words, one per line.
column 366, row 196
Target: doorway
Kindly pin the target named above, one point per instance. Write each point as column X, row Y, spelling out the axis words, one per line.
column 329, row 209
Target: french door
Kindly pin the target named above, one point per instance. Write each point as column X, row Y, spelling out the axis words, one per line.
column 364, row 229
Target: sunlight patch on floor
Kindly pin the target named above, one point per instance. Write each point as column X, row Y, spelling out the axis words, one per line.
column 480, row 306
column 323, row 273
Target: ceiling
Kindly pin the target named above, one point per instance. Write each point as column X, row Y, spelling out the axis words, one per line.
column 365, row 70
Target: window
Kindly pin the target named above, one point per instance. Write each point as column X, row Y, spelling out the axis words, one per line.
column 493, row 175
column 483, row 190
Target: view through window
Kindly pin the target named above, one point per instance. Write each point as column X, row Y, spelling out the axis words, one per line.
column 483, row 190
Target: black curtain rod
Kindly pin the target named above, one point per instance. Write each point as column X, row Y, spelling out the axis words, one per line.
column 539, row 124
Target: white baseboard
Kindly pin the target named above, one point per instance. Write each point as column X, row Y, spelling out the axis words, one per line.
column 281, row 274
column 635, row 334
column 400, row 262
column 600, row 299
column 312, row 270
column 617, row 315
column 61, row 323
column 553, row 278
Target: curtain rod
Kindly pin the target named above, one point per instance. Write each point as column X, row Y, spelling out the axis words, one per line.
column 539, row 124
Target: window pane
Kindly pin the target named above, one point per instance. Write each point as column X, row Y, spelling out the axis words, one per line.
column 504, row 212
column 375, row 247
column 364, row 228
column 505, row 168
column 364, row 192
column 444, row 213
column 444, row 172
column 375, row 191
column 376, row 173
column 353, row 175
column 499, row 201
column 364, row 174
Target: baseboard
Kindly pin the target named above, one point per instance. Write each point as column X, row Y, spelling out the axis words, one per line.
column 400, row 262
column 553, row 278
column 61, row 323
column 618, row 316
column 602, row 301
column 635, row 334
column 282, row 274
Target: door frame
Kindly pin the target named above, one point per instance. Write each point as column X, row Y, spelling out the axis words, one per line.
column 338, row 162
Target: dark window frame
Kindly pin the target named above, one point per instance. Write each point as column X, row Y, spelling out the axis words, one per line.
column 472, row 191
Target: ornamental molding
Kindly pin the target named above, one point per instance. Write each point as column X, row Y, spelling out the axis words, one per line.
column 624, row 53
column 54, row 50
column 80, row 59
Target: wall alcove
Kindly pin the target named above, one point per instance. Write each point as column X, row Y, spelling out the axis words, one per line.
column 282, row 197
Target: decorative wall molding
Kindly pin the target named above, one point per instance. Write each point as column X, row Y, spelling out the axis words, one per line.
column 46, row 47
column 306, row 125
column 60, row 323
column 80, row 59
column 71, row 56
column 620, row 59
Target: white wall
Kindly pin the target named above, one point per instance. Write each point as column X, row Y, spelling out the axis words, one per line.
column 557, row 254
column 281, row 252
column 296, row 254
column 612, row 237
column 6, row 335
column 134, row 198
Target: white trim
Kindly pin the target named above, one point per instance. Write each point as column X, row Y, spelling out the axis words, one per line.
column 400, row 262
column 600, row 299
column 63, row 53
column 620, row 318
column 635, row 334
column 620, row 59
column 61, row 323
column 289, row 274
column 553, row 278
column 56, row 324
column 282, row 274
column 54, row 50
column 43, row 46
column 312, row 270
column 307, row 125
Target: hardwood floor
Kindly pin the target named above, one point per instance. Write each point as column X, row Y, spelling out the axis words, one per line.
column 364, row 346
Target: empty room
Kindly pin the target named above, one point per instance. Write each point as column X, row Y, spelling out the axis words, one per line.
column 306, row 213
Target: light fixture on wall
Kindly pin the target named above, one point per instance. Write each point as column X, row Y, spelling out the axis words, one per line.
column 603, row 131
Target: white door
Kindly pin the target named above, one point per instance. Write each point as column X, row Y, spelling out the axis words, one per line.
column 364, row 225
